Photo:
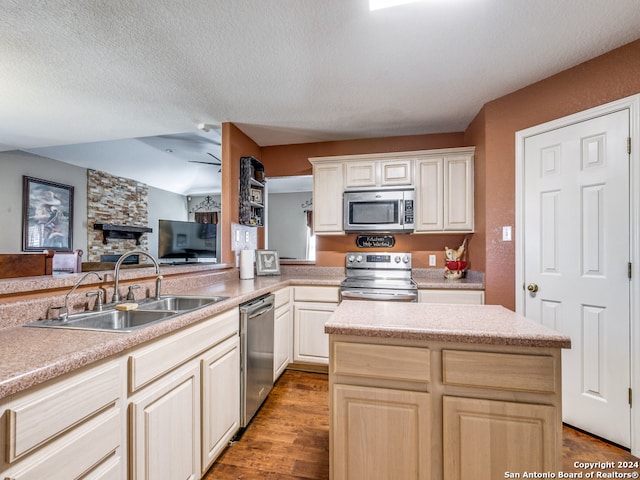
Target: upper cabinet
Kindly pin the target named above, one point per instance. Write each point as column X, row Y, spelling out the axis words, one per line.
column 251, row 192
column 444, row 192
column 377, row 173
column 443, row 180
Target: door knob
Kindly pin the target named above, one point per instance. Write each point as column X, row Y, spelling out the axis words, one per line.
column 532, row 287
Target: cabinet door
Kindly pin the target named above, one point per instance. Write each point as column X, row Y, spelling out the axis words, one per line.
column 380, row 433
column 282, row 340
column 220, row 398
column 360, row 174
column 327, row 198
column 429, row 211
column 458, row 193
column 165, row 427
column 470, row 297
column 311, row 344
column 395, row 172
column 483, row 439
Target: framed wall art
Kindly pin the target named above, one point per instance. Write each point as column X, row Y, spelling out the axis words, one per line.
column 267, row 262
column 47, row 215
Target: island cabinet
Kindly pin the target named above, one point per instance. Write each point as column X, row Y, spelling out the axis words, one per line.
column 412, row 398
column 70, row 427
column 312, row 306
column 184, row 395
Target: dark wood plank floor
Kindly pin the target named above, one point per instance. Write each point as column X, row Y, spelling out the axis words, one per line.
column 289, row 437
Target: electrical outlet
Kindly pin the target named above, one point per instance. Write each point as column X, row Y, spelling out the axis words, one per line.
column 246, row 237
column 506, row 234
column 432, row 260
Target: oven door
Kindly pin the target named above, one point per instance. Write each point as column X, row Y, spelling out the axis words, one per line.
column 388, row 295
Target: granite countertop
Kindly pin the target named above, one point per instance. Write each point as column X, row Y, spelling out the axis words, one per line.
column 480, row 324
column 30, row 356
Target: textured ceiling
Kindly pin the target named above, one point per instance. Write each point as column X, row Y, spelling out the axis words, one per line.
column 285, row 71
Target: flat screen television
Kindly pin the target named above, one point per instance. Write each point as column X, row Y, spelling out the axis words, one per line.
column 186, row 240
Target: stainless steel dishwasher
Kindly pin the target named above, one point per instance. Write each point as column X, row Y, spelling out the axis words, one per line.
column 256, row 363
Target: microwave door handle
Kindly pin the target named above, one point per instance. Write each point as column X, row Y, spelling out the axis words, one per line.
column 401, row 212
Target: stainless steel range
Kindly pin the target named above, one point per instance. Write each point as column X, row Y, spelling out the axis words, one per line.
column 379, row 276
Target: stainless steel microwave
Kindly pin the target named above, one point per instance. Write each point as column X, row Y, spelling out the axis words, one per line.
column 379, row 210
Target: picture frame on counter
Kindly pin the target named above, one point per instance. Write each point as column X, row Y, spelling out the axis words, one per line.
column 267, row 262
column 47, row 215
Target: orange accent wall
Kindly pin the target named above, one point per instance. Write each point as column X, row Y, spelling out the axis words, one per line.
column 606, row 78
column 235, row 144
column 287, row 160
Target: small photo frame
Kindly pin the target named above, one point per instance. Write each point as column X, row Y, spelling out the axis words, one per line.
column 267, row 262
column 256, row 195
column 47, row 216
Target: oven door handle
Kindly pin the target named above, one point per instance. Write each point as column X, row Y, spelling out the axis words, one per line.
column 379, row 296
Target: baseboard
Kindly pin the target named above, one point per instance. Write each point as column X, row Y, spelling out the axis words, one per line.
column 308, row 367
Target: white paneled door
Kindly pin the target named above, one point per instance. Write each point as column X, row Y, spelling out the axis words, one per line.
column 576, row 244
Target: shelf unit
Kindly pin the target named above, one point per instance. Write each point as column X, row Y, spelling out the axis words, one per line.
column 251, row 192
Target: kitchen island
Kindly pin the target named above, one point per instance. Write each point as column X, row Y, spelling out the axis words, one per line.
column 442, row 392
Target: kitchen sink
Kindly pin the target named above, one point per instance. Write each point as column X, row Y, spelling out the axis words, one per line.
column 113, row 320
column 178, row 303
column 149, row 312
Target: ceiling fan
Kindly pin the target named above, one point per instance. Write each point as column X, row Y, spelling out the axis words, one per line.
column 219, row 162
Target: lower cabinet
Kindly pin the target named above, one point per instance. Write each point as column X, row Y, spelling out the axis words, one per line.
column 454, row 296
column 283, row 332
column 381, row 433
column 220, row 398
column 184, row 403
column 476, row 431
column 311, row 309
column 436, row 410
column 71, row 427
column 165, row 432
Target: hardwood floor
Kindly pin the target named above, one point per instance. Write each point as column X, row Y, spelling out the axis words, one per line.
column 289, row 438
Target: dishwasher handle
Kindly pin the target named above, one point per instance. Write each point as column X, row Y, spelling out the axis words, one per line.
column 260, row 312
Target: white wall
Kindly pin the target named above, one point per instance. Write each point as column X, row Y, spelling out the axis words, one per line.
column 166, row 206
column 15, row 164
column 287, row 224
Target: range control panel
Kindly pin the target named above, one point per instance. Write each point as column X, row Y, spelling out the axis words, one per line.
column 379, row 260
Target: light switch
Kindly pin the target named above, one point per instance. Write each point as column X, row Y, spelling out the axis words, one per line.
column 506, row 234
column 432, row 260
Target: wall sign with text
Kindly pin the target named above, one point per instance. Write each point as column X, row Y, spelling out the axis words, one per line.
column 375, row 241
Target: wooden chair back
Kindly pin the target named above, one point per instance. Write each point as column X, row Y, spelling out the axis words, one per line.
column 13, row 265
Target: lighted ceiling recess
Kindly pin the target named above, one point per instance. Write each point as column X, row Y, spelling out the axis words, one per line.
column 380, row 4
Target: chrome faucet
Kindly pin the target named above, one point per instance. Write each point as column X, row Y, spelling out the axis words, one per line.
column 116, row 272
column 64, row 311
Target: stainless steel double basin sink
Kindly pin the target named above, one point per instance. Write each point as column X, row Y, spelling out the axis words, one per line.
column 149, row 312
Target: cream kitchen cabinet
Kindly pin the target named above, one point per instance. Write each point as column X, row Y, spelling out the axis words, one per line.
column 220, row 404
column 379, row 401
column 440, row 407
column 312, row 307
column 328, row 185
column 70, row 427
column 283, row 332
column 171, row 382
column 444, row 191
column 377, row 173
column 474, row 297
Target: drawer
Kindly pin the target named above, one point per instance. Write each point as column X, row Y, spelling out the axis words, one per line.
column 94, row 446
column 316, row 294
column 382, row 361
column 44, row 415
column 503, row 371
column 281, row 297
column 150, row 363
